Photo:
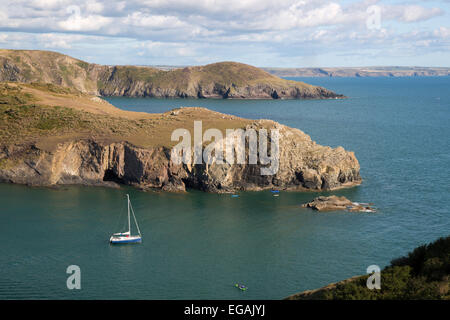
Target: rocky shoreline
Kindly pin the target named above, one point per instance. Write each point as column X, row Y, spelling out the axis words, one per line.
column 92, row 162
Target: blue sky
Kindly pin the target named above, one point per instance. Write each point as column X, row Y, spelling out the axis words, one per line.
column 281, row 33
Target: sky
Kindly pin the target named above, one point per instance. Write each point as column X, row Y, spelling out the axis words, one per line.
column 280, row 33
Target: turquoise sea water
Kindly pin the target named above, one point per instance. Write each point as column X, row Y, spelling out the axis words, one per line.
column 197, row 245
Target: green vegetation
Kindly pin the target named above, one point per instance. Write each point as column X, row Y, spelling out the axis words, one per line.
column 52, row 88
column 19, row 122
column 135, row 73
column 83, row 65
column 397, row 283
column 13, row 95
column 423, row 274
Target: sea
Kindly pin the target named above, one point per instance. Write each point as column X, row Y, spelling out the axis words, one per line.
column 198, row 245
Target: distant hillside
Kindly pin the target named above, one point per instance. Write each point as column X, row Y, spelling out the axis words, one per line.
column 423, row 274
column 218, row 80
column 359, row 72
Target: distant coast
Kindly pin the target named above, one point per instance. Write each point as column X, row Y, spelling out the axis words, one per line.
column 380, row 71
column 360, row 72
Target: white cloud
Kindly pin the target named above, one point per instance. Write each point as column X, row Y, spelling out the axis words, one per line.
column 412, row 13
column 157, row 49
column 47, row 4
column 442, row 32
column 220, row 28
column 55, row 41
column 77, row 22
column 201, row 18
column 153, row 21
column 94, row 7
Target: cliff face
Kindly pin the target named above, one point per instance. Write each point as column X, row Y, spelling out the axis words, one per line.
column 90, row 163
column 115, row 86
column 302, row 165
column 226, row 80
column 218, row 80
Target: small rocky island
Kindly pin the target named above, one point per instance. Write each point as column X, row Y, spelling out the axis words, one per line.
column 53, row 135
column 333, row 203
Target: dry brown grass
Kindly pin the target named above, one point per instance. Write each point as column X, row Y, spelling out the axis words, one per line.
column 48, row 115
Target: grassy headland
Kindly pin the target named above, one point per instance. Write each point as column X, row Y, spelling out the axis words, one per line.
column 57, row 135
column 218, row 80
column 45, row 113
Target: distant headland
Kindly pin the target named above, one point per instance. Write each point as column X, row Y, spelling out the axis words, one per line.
column 224, row 80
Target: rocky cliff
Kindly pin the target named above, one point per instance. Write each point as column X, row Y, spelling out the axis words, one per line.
column 219, row 80
column 83, row 141
column 303, row 165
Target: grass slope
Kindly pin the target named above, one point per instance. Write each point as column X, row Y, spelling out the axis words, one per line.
column 46, row 114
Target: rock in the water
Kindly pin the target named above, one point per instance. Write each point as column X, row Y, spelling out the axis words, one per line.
column 333, row 203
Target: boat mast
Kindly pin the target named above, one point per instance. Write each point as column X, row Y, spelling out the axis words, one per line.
column 129, row 224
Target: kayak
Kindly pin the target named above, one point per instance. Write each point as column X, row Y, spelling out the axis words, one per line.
column 240, row 286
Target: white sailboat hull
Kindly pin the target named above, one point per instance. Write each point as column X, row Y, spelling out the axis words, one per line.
column 129, row 239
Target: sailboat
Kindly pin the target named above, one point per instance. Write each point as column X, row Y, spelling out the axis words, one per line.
column 126, row 237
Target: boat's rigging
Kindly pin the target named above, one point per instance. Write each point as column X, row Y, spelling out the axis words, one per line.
column 134, row 217
column 127, row 237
